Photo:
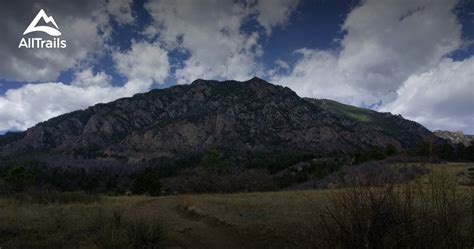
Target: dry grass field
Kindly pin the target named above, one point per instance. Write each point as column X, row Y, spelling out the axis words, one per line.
column 243, row 220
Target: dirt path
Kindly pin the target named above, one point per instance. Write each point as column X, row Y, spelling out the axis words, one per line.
column 187, row 231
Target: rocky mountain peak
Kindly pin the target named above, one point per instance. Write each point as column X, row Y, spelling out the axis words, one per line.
column 238, row 118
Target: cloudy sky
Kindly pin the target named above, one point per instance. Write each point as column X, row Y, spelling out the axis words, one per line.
column 409, row 57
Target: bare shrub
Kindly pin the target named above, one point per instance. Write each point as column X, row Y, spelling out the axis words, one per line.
column 379, row 174
column 367, row 174
column 116, row 232
column 112, row 234
column 433, row 215
column 143, row 234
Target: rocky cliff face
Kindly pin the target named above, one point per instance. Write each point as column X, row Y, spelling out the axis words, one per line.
column 457, row 137
column 239, row 118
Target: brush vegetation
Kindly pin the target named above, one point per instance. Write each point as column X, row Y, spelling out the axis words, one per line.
column 433, row 210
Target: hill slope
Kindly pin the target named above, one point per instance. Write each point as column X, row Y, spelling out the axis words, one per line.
column 239, row 118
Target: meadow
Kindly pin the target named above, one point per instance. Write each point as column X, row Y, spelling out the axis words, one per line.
column 431, row 211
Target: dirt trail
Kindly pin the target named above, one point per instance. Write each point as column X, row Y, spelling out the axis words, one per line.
column 186, row 231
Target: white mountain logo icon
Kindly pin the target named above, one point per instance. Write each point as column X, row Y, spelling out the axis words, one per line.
column 48, row 19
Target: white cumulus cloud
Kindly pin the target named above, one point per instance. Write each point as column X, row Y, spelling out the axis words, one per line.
column 275, row 12
column 22, row 108
column 211, row 32
column 386, row 47
column 145, row 61
column 86, row 78
column 84, row 26
column 121, row 10
column 442, row 97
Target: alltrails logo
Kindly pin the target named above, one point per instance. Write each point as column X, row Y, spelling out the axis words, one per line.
column 40, row 42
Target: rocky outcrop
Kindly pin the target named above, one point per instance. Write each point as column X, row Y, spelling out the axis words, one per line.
column 456, row 137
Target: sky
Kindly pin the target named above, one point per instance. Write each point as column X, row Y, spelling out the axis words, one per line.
column 408, row 57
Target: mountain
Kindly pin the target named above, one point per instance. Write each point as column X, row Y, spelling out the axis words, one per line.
column 240, row 119
column 457, row 137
